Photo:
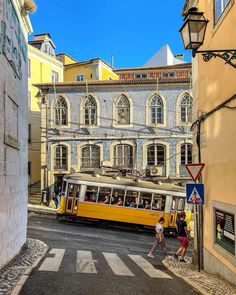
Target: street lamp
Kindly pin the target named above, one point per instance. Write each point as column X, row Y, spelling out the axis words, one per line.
column 193, row 34
column 40, row 95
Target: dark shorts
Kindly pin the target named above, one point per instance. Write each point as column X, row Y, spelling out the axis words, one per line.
column 183, row 241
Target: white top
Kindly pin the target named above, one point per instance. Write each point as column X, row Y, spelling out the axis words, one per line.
column 159, row 227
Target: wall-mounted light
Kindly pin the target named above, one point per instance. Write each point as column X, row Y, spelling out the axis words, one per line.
column 193, row 33
column 40, row 95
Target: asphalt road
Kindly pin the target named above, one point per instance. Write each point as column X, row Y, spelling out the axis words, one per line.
column 87, row 259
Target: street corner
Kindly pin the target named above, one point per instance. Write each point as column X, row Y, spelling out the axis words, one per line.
column 14, row 275
column 202, row 281
column 40, row 209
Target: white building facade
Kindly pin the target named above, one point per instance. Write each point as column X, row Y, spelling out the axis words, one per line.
column 15, row 27
column 119, row 124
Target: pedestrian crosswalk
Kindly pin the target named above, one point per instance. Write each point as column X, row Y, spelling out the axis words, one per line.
column 85, row 264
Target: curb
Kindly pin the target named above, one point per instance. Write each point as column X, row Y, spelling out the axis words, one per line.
column 187, row 280
column 41, row 211
column 26, row 274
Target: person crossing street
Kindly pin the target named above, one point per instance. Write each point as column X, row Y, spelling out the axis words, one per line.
column 160, row 239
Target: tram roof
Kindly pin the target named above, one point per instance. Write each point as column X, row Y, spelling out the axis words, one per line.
column 124, row 181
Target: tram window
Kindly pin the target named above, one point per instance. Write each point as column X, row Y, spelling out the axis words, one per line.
column 77, row 189
column 158, row 202
column 73, row 191
column 131, row 199
column 180, row 205
column 70, row 191
column 104, row 195
column 118, row 197
column 173, row 204
column 91, row 194
column 145, row 200
column 63, row 188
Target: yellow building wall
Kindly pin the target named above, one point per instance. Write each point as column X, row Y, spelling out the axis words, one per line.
column 91, row 71
column 71, row 72
column 66, row 59
column 107, row 74
column 41, row 66
column 214, row 84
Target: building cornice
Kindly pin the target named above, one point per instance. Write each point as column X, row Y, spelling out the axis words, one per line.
column 116, row 83
column 172, row 67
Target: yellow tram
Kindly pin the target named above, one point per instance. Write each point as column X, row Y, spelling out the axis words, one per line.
column 121, row 199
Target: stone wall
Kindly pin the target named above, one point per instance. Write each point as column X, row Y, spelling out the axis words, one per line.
column 13, row 133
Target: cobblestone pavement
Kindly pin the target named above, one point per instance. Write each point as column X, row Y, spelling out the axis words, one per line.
column 11, row 274
column 206, row 283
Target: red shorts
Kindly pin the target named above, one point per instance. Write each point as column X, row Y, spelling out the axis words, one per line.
column 183, row 241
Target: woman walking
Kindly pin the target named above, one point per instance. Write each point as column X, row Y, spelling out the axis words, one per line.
column 160, row 239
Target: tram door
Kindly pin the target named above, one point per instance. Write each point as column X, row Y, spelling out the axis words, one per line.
column 177, row 206
column 72, row 198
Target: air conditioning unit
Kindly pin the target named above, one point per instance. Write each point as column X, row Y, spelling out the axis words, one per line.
column 156, row 171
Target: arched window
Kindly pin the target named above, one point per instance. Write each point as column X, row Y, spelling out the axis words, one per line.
column 90, row 156
column 61, row 112
column 156, row 110
column 186, row 109
column 186, row 153
column 123, row 111
column 123, row 155
column 61, row 157
column 156, row 155
column 90, row 111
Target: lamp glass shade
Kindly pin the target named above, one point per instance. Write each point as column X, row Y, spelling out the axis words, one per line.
column 193, row 30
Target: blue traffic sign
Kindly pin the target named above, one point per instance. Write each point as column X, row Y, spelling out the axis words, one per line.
column 195, row 193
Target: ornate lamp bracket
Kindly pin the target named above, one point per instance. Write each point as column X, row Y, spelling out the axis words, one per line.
column 229, row 55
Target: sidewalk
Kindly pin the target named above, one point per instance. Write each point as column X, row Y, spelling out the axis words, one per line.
column 205, row 283
column 14, row 275
column 202, row 281
column 41, row 209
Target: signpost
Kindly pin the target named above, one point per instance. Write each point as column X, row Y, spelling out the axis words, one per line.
column 195, row 195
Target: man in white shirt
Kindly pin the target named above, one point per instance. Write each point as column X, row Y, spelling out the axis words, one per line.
column 160, row 239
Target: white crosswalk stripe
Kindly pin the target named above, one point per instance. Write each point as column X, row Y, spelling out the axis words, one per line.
column 85, row 262
column 117, row 265
column 148, row 268
column 53, row 263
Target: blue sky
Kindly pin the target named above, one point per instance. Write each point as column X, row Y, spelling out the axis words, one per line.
column 130, row 30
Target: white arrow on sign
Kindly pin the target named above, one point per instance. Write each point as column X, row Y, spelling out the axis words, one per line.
column 194, row 170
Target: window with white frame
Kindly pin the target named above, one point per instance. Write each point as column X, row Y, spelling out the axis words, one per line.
column 186, row 153
column 61, row 112
column 55, row 76
column 123, row 155
column 186, row 104
column 141, row 75
column 79, row 77
column 90, row 111
column 61, row 157
column 90, row 156
column 123, row 111
column 156, row 155
column 156, row 115
column 219, row 8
